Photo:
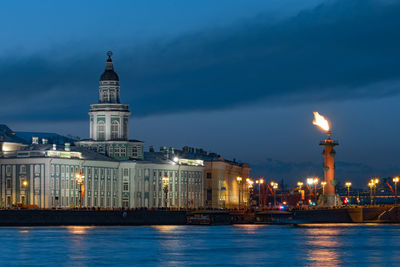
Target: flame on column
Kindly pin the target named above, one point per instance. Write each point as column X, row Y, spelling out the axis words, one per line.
column 321, row 122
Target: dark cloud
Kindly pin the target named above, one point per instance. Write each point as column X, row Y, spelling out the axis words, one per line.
column 338, row 50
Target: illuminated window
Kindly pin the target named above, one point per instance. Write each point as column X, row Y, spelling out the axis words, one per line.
column 126, row 187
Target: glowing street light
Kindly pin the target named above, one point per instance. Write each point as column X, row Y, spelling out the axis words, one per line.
column 275, row 187
column 300, row 184
column 323, row 183
column 239, row 180
column 24, row 183
column 79, row 177
column 250, row 188
column 165, row 180
column 371, row 186
column 348, row 184
column 395, row 181
column 260, row 199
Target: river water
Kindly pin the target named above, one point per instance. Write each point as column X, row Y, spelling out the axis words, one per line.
column 318, row 245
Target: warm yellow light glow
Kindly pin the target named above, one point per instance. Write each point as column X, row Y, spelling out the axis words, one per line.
column 321, row 122
column 25, row 183
column 315, row 181
column 165, row 180
column 396, row 179
column 300, row 184
column 239, row 179
column 310, row 181
column 79, row 177
column 261, row 181
column 348, row 184
column 323, row 183
column 376, row 181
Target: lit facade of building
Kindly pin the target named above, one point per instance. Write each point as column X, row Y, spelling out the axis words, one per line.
column 117, row 172
column 222, row 188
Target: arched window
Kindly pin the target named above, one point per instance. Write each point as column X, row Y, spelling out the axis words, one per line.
column 114, row 130
column 100, row 130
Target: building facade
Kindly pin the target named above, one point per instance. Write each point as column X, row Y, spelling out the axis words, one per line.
column 116, row 171
column 225, row 184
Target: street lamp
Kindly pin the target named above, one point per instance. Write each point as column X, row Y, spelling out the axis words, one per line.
column 260, row 199
column 348, row 184
column 315, row 181
column 165, row 182
column 376, row 181
column 239, row 180
column 371, row 186
column 275, row 187
column 395, row 181
column 323, row 183
column 250, row 188
column 300, row 184
column 79, row 177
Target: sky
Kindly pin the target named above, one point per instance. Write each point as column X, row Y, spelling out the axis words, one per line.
column 239, row 78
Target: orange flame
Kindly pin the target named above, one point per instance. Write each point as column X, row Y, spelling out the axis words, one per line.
column 321, row 122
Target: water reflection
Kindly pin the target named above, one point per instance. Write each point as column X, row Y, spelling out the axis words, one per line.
column 78, row 230
column 165, row 228
column 250, row 228
column 321, row 245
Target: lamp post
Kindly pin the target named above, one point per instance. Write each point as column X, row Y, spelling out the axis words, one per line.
column 250, row 187
column 310, row 181
column 239, row 180
column 300, row 185
column 371, row 186
column 395, row 181
column 348, row 184
column 315, row 181
column 165, row 182
column 323, row 183
column 24, row 185
column 79, row 177
column 275, row 187
column 260, row 199
column 376, row 181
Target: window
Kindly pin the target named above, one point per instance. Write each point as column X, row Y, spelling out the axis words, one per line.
column 100, row 131
column 8, row 184
column 126, row 187
column 114, row 130
column 8, row 170
column 125, row 172
column 208, row 175
column 22, row 169
column 125, row 202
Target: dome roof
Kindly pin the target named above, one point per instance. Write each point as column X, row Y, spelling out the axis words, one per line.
column 109, row 74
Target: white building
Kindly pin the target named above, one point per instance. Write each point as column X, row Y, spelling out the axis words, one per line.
column 117, row 171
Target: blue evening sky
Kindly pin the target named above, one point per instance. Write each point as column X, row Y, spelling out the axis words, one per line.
column 240, row 78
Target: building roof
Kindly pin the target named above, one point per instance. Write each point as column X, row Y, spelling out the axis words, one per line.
column 7, row 135
column 52, row 138
column 109, row 74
